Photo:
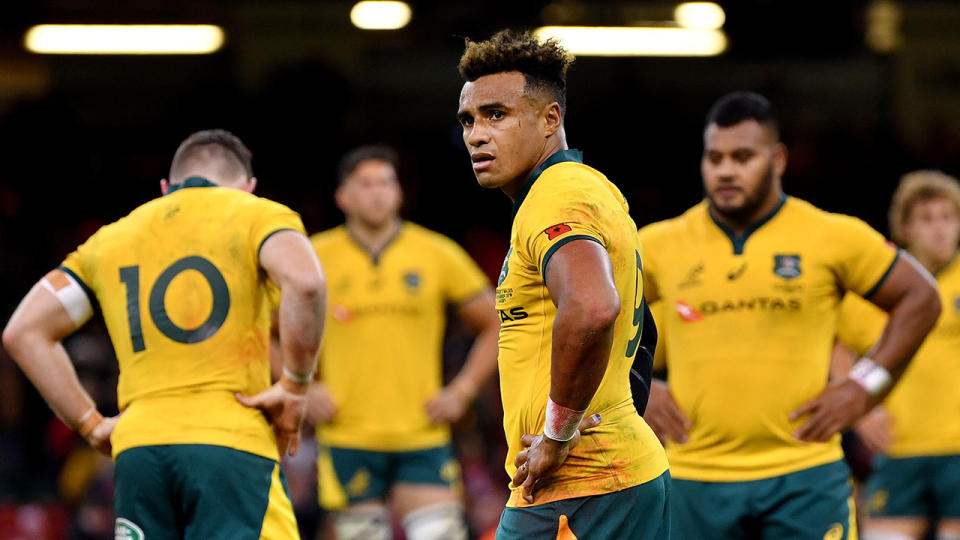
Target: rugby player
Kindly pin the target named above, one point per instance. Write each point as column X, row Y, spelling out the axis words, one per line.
column 583, row 462
column 750, row 281
column 182, row 282
column 916, row 431
column 379, row 405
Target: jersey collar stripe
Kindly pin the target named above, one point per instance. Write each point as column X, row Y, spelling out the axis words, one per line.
column 740, row 240
column 558, row 157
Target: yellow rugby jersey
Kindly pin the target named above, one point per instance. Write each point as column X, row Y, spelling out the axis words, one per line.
column 925, row 404
column 381, row 356
column 565, row 200
column 179, row 283
column 748, row 324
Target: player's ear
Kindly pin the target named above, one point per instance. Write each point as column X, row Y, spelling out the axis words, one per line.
column 164, row 186
column 340, row 196
column 553, row 119
column 251, row 184
column 779, row 159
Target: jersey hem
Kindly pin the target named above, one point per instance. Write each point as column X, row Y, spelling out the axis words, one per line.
column 917, row 451
column 696, row 474
column 374, row 443
column 267, row 237
column 631, row 480
column 173, row 440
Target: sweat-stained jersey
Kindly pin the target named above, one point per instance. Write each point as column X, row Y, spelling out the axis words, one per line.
column 188, row 311
column 925, row 403
column 565, row 200
column 748, row 324
column 381, row 356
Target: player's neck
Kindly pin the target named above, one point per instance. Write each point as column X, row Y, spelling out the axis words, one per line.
column 373, row 238
column 553, row 145
column 739, row 223
column 932, row 263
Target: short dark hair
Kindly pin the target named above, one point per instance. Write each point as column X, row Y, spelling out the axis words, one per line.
column 543, row 64
column 741, row 106
column 358, row 155
column 230, row 146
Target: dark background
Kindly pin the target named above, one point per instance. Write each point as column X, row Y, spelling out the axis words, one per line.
column 85, row 139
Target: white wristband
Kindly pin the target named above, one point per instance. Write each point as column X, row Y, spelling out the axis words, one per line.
column 873, row 377
column 561, row 422
column 299, row 378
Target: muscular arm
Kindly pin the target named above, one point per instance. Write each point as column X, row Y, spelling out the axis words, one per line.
column 910, row 296
column 291, row 263
column 32, row 337
column 480, row 314
column 580, row 280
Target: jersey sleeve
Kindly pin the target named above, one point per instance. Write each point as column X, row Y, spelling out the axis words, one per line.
column 860, row 324
column 556, row 219
column 462, row 278
column 864, row 258
column 271, row 218
column 77, row 265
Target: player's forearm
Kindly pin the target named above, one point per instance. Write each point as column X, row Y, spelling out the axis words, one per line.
column 48, row 367
column 302, row 312
column 582, row 338
column 911, row 319
column 481, row 363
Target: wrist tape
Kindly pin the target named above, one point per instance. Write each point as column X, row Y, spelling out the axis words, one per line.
column 561, row 423
column 873, row 377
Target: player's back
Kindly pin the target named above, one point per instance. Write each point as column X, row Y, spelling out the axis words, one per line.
column 188, row 312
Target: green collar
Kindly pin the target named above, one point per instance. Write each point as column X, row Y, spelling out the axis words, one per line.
column 558, row 157
column 375, row 256
column 739, row 240
column 193, row 181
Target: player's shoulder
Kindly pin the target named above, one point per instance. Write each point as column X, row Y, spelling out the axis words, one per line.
column 950, row 274
column 809, row 214
column 573, row 178
column 329, row 239
column 670, row 229
column 429, row 240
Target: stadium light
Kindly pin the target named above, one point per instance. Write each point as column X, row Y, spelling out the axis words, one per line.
column 123, row 39
column 704, row 15
column 380, row 15
column 636, row 41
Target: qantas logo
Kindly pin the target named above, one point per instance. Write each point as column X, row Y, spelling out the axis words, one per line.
column 687, row 312
column 557, row 230
column 759, row 303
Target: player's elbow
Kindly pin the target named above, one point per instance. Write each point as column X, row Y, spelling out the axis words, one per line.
column 309, row 286
column 600, row 313
column 13, row 338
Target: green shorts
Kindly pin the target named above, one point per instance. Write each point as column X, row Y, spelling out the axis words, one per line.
column 638, row 513
column 199, row 491
column 812, row 503
column 923, row 486
column 349, row 475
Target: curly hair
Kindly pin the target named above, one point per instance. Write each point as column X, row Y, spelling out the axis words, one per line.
column 915, row 187
column 543, row 64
